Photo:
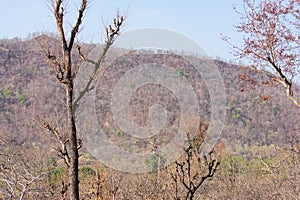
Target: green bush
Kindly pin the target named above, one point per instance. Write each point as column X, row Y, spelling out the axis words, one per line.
column 181, row 73
column 155, row 161
column 85, row 172
column 237, row 114
column 235, row 164
column 7, row 93
column 118, row 133
column 56, row 173
column 22, row 98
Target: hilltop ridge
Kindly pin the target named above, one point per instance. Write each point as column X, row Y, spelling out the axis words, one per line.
column 29, row 91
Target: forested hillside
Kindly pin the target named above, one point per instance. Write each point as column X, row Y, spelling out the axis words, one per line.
column 253, row 159
column 256, row 115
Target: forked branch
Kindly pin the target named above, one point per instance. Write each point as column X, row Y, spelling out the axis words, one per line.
column 63, row 152
column 111, row 33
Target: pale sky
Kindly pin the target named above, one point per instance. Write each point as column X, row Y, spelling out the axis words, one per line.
column 202, row 21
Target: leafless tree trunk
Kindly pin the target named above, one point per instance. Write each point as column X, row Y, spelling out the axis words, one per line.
column 66, row 71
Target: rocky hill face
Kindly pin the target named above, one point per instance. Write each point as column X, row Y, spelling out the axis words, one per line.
column 30, row 93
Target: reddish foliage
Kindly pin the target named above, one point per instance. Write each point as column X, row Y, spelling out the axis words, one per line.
column 271, row 40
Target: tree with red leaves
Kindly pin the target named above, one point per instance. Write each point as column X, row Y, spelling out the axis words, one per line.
column 271, row 41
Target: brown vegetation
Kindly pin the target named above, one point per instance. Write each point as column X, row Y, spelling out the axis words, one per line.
column 257, row 157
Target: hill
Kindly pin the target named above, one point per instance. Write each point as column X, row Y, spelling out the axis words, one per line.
column 29, row 92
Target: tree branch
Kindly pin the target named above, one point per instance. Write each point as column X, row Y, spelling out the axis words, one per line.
column 283, row 80
column 78, row 23
column 111, row 34
column 63, row 143
column 59, row 17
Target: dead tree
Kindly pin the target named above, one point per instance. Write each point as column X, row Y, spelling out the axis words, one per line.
column 66, row 70
column 191, row 170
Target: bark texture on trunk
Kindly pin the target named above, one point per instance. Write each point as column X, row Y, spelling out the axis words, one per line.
column 74, row 155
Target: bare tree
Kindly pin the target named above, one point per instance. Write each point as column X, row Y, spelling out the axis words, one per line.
column 191, row 170
column 22, row 174
column 66, row 70
column 271, row 41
